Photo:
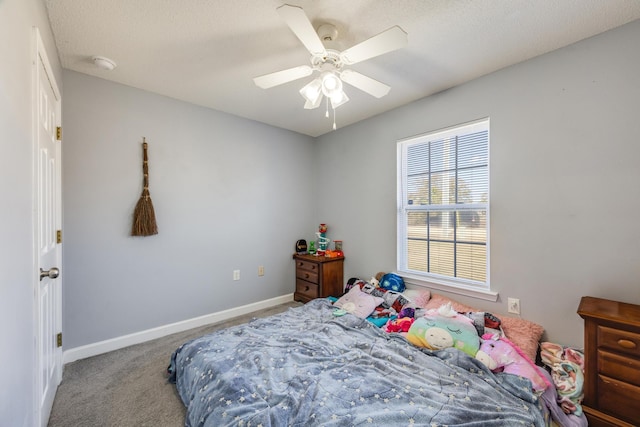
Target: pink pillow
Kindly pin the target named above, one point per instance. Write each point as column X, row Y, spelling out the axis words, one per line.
column 357, row 302
column 419, row 297
column 523, row 333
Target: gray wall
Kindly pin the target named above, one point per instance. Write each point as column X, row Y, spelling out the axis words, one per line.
column 226, row 195
column 17, row 19
column 565, row 179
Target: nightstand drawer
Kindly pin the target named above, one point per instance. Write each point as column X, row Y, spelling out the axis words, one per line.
column 619, row 367
column 619, row 398
column 619, row 340
column 308, row 290
column 306, row 265
column 309, row 276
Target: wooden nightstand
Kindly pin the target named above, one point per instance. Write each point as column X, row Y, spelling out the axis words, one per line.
column 318, row 277
column 612, row 362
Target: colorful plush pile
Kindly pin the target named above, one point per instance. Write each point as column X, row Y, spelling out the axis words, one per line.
column 567, row 372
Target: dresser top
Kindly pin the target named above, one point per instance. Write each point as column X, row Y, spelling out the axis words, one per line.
column 605, row 309
column 315, row 258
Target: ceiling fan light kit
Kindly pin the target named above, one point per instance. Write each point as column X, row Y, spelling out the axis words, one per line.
column 330, row 62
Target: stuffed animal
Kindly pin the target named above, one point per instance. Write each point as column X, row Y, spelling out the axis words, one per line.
column 443, row 328
column 500, row 354
column 392, row 282
column 407, row 312
column 401, row 324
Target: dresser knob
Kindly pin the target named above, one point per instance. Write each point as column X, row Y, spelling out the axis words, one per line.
column 626, row 344
column 307, row 288
column 306, row 275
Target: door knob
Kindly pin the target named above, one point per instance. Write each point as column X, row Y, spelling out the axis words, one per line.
column 51, row 274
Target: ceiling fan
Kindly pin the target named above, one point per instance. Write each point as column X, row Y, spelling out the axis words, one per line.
column 331, row 63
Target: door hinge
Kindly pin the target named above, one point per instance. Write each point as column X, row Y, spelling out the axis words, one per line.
column 59, row 339
column 59, row 236
column 59, row 133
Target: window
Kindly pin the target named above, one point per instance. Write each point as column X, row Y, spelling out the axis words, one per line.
column 443, row 201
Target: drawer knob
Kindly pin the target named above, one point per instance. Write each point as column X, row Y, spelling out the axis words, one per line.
column 306, row 289
column 626, row 344
column 306, row 275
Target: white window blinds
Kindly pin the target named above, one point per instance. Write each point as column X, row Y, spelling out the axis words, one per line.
column 443, row 199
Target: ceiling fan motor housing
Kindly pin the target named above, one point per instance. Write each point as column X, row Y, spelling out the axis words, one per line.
column 329, row 60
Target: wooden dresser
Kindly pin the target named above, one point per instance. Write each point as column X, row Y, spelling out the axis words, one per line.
column 317, row 277
column 612, row 362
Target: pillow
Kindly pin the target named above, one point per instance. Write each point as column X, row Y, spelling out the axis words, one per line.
column 391, row 299
column 357, row 302
column 419, row 297
column 444, row 328
column 523, row 333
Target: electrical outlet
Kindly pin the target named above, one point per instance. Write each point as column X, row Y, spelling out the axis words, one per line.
column 236, row 274
column 261, row 270
column 513, row 305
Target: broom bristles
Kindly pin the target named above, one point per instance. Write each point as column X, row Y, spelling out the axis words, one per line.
column 144, row 217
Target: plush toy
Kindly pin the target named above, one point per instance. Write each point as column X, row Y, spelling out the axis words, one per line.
column 374, row 282
column 401, row 324
column 500, row 354
column 444, row 328
column 407, row 312
column 392, row 282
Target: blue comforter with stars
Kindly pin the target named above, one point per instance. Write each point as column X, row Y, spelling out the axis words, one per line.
column 307, row 367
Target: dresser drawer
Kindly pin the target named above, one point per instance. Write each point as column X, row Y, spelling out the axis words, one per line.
column 309, row 276
column 619, row 340
column 307, row 266
column 619, row 367
column 619, row 398
column 306, row 289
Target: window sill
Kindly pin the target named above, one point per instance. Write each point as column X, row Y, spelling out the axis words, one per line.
column 459, row 289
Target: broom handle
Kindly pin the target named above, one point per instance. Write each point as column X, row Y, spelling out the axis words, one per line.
column 145, row 165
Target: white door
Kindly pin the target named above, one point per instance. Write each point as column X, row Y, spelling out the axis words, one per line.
column 48, row 292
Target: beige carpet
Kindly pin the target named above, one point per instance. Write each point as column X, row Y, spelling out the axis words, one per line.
column 129, row 387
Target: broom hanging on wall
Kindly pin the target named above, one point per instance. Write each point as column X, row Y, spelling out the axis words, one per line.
column 144, row 217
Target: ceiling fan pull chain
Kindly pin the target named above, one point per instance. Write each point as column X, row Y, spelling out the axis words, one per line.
column 326, row 114
column 334, row 119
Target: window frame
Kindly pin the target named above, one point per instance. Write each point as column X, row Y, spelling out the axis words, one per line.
column 474, row 288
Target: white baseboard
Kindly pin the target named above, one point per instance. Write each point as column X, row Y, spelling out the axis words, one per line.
column 82, row 352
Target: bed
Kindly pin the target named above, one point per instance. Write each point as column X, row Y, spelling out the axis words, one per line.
column 307, row 366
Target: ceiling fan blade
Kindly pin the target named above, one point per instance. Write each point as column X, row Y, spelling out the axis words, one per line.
column 364, row 83
column 391, row 39
column 279, row 77
column 299, row 23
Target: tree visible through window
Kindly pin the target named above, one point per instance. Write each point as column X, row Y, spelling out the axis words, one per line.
column 443, row 199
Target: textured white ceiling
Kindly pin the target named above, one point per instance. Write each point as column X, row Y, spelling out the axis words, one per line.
column 207, row 51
